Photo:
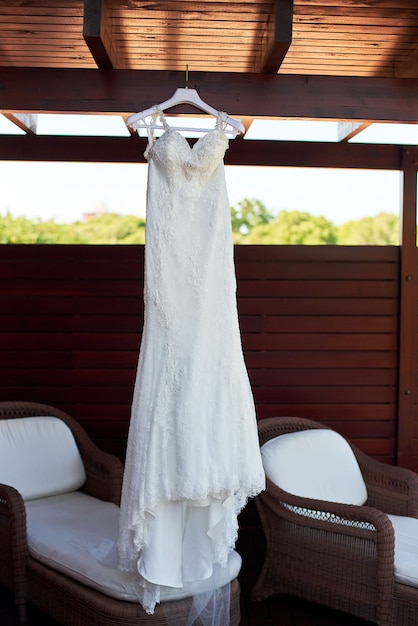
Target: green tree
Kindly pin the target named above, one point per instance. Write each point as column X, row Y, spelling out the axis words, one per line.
column 23, row 230
column 246, row 215
column 111, row 228
column 108, row 228
column 293, row 228
column 380, row 230
column 252, row 224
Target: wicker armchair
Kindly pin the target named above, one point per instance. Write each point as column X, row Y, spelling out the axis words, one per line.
column 62, row 597
column 339, row 555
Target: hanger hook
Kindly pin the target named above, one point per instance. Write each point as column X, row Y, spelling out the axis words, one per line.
column 187, row 76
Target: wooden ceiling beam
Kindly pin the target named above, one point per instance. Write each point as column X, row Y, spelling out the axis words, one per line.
column 240, row 152
column 278, row 36
column 97, row 33
column 359, row 99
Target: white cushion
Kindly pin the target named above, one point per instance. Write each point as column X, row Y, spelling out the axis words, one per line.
column 316, row 463
column 39, row 457
column 406, row 549
column 77, row 535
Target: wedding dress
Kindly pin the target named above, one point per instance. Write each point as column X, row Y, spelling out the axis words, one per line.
column 193, row 454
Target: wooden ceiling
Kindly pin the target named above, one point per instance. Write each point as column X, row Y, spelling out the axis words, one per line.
column 310, row 37
column 354, row 61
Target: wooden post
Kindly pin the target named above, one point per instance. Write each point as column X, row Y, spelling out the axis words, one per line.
column 407, row 451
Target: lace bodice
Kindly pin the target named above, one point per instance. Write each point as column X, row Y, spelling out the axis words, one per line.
column 178, row 157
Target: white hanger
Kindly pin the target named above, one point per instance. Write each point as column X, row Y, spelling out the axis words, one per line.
column 183, row 95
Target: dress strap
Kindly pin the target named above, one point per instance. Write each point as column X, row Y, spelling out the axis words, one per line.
column 163, row 119
column 158, row 115
column 221, row 121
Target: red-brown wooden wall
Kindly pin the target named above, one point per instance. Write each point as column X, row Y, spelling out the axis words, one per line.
column 319, row 328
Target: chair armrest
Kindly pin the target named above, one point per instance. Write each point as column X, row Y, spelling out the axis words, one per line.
column 344, row 519
column 326, row 547
column 13, row 543
column 391, row 489
column 104, row 473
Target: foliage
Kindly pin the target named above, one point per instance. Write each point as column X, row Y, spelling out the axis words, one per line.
column 247, row 215
column 381, row 230
column 24, row 230
column 110, row 228
column 294, row 227
column 107, row 228
column 252, row 223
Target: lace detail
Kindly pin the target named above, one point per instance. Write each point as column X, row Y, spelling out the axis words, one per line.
column 221, row 121
column 325, row 516
column 193, row 435
column 150, row 128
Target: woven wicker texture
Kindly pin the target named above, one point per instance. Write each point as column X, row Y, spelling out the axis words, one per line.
column 62, row 598
column 338, row 555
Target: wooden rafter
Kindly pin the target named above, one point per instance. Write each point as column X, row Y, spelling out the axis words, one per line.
column 25, row 121
column 97, row 33
column 278, row 36
column 326, row 37
column 240, row 152
column 408, row 67
column 348, row 130
column 122, row 92
column 51, row 90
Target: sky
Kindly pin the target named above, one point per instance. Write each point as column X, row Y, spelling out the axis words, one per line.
column 65, row 191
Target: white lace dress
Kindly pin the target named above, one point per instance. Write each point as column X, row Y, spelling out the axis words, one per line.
column 193, row 455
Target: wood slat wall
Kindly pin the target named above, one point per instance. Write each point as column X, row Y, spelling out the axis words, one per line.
column 320, row 333
column 319, row 329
